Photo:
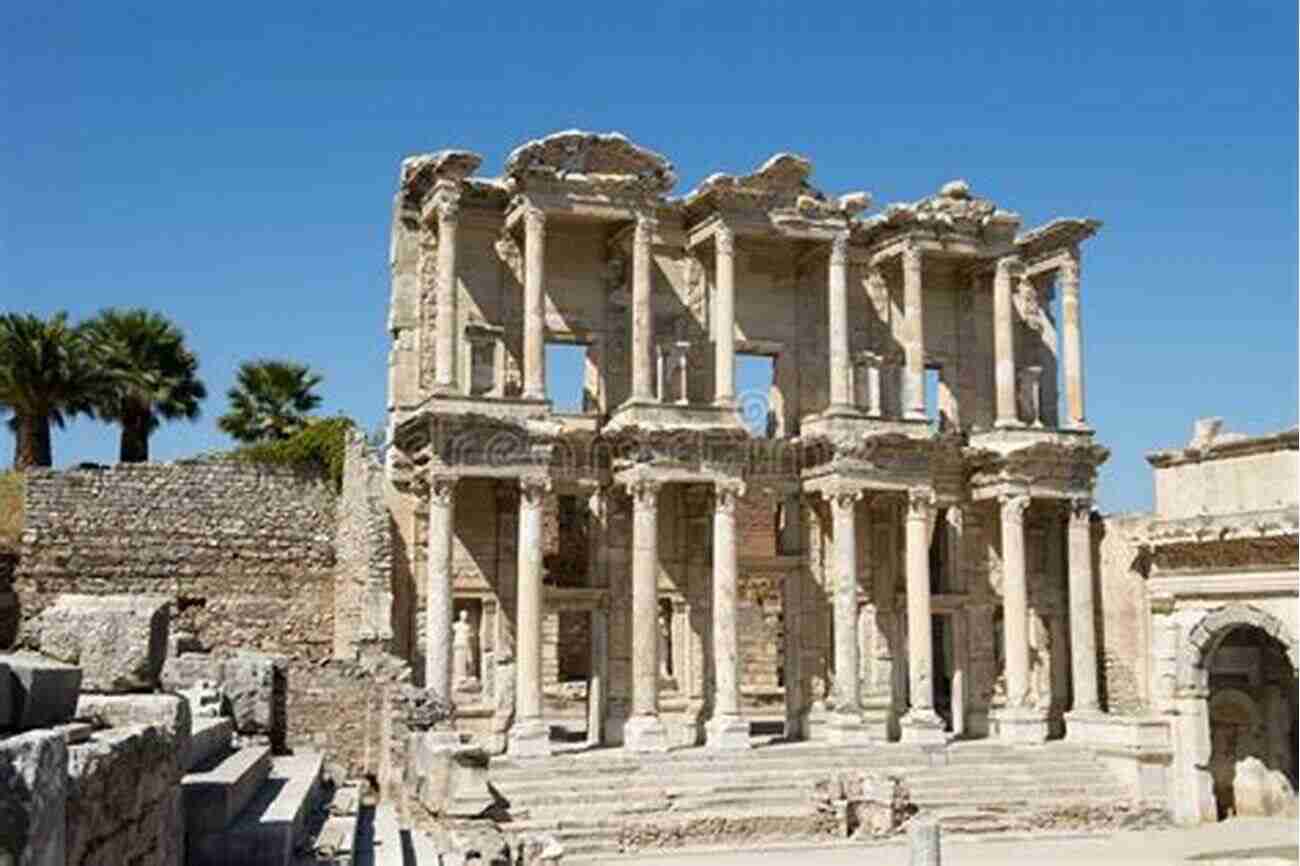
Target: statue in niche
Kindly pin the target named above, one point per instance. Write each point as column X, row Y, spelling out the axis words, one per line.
column 462, row 654
column 666, row 648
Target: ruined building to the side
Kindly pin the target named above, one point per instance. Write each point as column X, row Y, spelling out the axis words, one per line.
column 889, row 540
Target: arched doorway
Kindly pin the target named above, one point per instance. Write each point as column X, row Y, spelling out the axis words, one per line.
column 1238, row 693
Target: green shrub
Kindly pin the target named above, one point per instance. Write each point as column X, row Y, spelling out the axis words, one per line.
column 317, row 447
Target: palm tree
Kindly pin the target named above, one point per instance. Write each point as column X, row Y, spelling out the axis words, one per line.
column 270, row 400
column 148, row 375
column 45, row 376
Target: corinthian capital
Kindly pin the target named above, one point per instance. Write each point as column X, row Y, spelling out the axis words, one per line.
column 534, row 219
column 843, row 496
column 644, row 492
column 1080, row 511
column 920, row 503
column 726, row 494
column 533, row 489
column 442, row 490
column 1014, row 506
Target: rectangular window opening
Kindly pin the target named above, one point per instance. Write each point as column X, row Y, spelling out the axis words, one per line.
column 755, row 378
column 566, row 374
column 932, row 389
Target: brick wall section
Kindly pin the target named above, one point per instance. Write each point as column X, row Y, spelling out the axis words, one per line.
column 1121, row 612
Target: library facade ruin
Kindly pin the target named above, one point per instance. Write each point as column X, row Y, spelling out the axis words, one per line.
column 890, row 540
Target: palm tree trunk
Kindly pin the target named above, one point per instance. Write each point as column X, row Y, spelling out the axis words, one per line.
column 33, row 443
column 135, row 437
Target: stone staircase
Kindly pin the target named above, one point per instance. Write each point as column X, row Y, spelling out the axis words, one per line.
column 245, row 806
column 605, row 802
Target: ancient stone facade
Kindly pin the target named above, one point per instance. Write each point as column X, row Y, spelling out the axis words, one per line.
column 921, row 501
column 1200, row 598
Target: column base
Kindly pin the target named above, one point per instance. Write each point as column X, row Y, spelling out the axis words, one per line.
column 922, row 727
column 876, row 718
column 1008, row 424
column 846, row 729
column 531, row 739
column 1090, row 726
column 1025, row 727
column 645, row 734
column 726, row 732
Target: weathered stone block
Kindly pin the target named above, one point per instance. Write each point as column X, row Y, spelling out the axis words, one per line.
column 255, row 689
column 33, row 799
column 188, row 669
column 448, row 779
column 169, row 713
column 1259, row 791
column 119, row 641
column 42, row 691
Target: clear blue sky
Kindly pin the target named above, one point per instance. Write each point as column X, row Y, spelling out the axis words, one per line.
column 232, row 165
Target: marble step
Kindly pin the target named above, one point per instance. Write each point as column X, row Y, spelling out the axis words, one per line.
column 209, row 740
column 273, row 824
column 212, row 798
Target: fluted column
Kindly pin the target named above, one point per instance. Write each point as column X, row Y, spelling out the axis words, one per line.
column 446, row 317
column 727, row 729
column 437, row 605
column 921, row 724
column 534, row 304
column 914, row 334
column 1004, row 344
column 724, row 241
column 838, row 303
column 643, row 390
column 644, row 731
column 1083, row 639
column 846, row 725
column 529, row 734
column 1072, row 350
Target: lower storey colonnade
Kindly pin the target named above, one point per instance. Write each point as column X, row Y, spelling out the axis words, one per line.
column 853, row 706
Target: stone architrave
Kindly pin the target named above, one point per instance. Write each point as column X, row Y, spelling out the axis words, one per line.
column 118, row 641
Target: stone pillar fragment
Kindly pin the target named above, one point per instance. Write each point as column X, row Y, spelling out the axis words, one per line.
column 437, row 632
column 1004, row 344
column 1072, row 350
column 724, row 241
column 921, row 724
column 643, row 390
column 644, row 730
column 447, row 323
column 534, row 304
column 1021, row 720
column 914, row 335
column 1083, row 638
column 529, row 736
column 841, row 396
column 846, row 725
column 727, row 729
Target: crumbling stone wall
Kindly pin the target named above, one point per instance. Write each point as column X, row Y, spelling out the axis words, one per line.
column 245, row 552
column 363, row 592
column 1124, row 643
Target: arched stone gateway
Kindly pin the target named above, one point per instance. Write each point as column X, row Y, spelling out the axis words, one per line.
column 1236, row 706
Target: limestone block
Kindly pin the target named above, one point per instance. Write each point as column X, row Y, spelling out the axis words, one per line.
column 123, row 790
column 448, row 779
column 119, row 641
column 1258, row 791
column 254, row 686
column 33, row 799
column 169, row 713
column 42, row 691
column 187, row 669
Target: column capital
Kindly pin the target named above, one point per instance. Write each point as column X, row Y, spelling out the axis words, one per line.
column 724, row 239
column 533, row 489
column 534, row 218
column 840, row 248
column 442, row 489
column 1014, row 506
column 1069, row 273
column 443, row 204
column 1079, row 510
column 725, row 495
column 920, row 503
column 843, row 496
column 911, row 255
column 644, row 491
column 1009, row 265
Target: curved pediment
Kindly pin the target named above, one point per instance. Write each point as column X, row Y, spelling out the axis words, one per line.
column 576, row 156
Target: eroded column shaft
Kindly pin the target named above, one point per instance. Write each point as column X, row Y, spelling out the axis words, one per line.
column 725, row 330
column 437, row 631
column 1072, row 348
column 920, row 514
column 1083, row 638
column 1015, row 599
column 914, row 344
column 643, row 389
column 1004, row 345
column 534, row 304
column 837, row 301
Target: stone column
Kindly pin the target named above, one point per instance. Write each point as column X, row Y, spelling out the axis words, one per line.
column 727, row 729
column 437, row 603
column 838, row 303
column 914, row 335
column 1004, row 344
column 642, row 314
column 534, row 304
column 447, row 319
column 1083, row 640
column 1072, row 350
column 846, row 725
column 644, row 731
column 724, row 242
column 598, row 688
column 529, row 735
column 921, row 724
column 1020, row 721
